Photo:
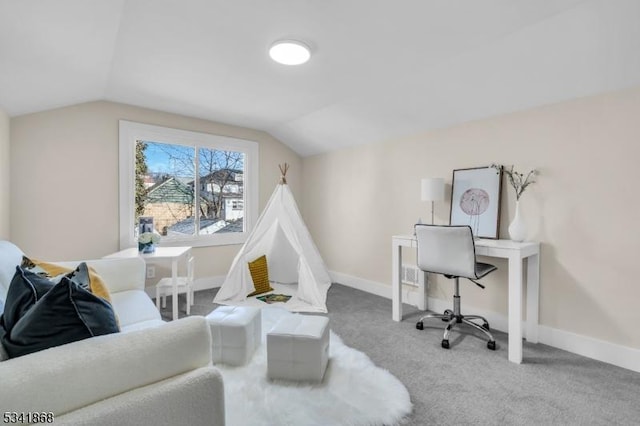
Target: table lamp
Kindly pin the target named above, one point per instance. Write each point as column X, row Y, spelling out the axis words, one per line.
column 432, row 190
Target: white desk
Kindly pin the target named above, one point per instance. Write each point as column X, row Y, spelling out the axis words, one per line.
column 174, row 254
column 518, row 254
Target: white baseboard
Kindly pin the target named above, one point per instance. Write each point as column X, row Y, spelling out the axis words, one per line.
column 600, row 350
column 207, row 283
column 199, row 284
column 611, row 353
column 373, row 287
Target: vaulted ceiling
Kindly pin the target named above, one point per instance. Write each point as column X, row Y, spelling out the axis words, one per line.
column 379, row 69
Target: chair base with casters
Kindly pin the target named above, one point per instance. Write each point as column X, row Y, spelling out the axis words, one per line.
column 455, row 317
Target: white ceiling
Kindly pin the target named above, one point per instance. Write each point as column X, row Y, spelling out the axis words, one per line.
column 380, row 69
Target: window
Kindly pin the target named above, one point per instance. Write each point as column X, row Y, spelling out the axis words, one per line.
column 201, row 189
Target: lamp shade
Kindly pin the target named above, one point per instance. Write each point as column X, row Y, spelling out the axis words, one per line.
column 432, row 189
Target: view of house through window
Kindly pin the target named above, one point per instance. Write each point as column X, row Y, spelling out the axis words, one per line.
column 189, row 190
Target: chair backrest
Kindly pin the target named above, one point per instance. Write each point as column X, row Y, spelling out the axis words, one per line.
column 447, row 250
column 190, row 267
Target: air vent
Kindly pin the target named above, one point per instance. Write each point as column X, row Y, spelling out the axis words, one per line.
column 409, row 275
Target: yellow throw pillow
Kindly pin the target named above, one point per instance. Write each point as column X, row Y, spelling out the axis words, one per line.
column 51, row 270
column 260, row 276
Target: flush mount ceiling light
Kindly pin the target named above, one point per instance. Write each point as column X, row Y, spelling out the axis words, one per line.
column 290, row 52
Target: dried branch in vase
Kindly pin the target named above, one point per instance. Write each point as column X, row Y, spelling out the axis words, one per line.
column 519, row 181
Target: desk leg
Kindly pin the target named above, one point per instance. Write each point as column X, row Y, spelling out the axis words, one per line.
column 423, row 280
column 396, row 287
column 533, row 296
column 515, row 309
column 174, row 287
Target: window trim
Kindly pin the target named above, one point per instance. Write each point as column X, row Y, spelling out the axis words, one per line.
column 130, row 132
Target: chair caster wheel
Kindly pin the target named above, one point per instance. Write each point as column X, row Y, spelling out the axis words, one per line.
column 448, row 313
column 420, row 325
column 445, row 344
column 491, row 345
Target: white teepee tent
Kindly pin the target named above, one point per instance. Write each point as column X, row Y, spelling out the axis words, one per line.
column 292, row 258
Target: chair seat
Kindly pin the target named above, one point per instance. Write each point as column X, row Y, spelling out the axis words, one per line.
column 184, row 284
column 165, row 287
column 181, row 282
column 483, row 269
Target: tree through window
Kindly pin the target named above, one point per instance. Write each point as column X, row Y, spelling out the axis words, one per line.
column 194, row 189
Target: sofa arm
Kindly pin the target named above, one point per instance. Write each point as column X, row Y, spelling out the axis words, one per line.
column 118, row 274
column 68, row 377
column 195, row 399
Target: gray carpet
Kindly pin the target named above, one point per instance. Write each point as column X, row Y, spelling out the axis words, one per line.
column 469, row 384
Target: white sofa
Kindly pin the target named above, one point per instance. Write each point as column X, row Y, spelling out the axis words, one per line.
column 151, row 373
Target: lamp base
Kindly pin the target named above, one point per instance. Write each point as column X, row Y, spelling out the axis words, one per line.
column 432, row 221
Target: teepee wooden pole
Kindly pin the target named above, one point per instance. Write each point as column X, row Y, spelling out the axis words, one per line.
column 283, row 173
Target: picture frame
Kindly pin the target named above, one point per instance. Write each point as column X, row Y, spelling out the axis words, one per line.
column 475, row 200
column 145, row 224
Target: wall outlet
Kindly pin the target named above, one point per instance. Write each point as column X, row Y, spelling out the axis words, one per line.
column 151, row 271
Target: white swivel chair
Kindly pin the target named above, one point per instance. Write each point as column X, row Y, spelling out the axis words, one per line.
column 185, row 285
column 450, row 251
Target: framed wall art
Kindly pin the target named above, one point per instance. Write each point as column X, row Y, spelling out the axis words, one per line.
column 475, row 200
column 145, row 224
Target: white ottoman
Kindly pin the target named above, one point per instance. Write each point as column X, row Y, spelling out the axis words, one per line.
column 235, row 333
column 298, row 348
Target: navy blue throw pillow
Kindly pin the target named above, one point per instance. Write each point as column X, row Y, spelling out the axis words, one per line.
column 43, row 314
column 25, row 290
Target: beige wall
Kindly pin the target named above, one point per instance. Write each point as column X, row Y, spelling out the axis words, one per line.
column 4, row 176
column 583, row 209
column 64, row 198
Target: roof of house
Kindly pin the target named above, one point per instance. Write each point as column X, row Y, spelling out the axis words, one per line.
column 186, row 226
column 207, row 226
column 170, row 191
column 221, row 175
column 233, row 226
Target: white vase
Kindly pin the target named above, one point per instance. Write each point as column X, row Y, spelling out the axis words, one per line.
column 518, row 228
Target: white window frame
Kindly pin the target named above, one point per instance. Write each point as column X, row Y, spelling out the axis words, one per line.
column 130, row 132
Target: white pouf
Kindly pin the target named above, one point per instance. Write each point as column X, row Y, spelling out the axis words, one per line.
column 298, row 348
column 235, row 333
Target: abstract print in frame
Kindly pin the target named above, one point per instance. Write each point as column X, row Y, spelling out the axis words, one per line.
column 475, row 200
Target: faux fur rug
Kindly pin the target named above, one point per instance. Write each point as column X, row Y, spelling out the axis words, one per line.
column 354, row 391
